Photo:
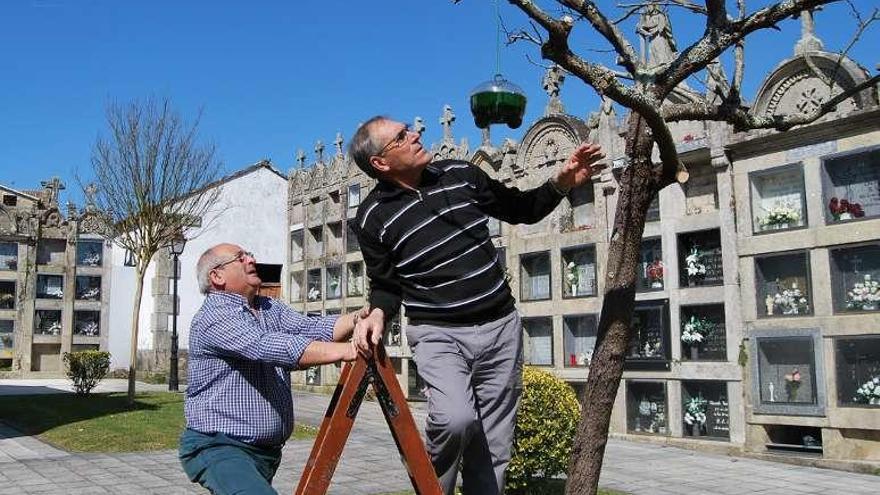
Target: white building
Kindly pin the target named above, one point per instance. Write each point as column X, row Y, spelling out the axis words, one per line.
column 251, row 211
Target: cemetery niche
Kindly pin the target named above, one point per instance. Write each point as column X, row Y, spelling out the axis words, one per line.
column 416, row 386
column 89, row 252
column 699, row 256
column 296, row 245
column 651, row 270
column 703, row 334
column 851, row 186
column 88, row 288
column 7, row 294
column 355, row 282
column 787, row 378
column 783, row 285
column 50, row 286
column 579, row 271
column 538, row 341
column 47, row 322
column 649, row 342
column 705, row 409
column 313, row 375
column 87, row 323
column 7, row 340
column 51, row 252
column 535, row 276
column 334, row 282
column 855, row 278
column 579, row 339
column 646, row 407
column 314, row 285
column 581, row 202
column 296, row 287
column 701, row 189
column 778, row 199
column 8, row 256
column 858, row 371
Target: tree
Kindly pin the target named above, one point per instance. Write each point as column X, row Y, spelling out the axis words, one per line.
column 151, row 183
column 644, row 86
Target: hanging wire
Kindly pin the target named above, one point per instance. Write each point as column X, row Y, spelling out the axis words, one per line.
column 497, row 39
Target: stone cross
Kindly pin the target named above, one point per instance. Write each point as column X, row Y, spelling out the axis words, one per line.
column 487, row 138
column 552, row 82
column 301, row 158
column 319, row 152
column 808, row 42
column 419, row 125
column 338, row 142
column 51, row 188
column 446, row 121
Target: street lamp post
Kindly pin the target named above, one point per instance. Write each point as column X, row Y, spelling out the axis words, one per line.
column 176, row 247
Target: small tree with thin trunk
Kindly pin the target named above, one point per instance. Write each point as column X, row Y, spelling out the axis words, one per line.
column 151, row 183
column 644, row 86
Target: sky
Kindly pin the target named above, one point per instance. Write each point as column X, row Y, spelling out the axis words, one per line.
column 270, row 77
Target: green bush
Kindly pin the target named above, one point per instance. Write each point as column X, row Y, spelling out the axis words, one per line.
column 86, row 368
column 545, row 429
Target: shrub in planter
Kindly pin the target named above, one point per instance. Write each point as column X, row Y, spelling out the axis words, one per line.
column 545, row 428
column 86, row 368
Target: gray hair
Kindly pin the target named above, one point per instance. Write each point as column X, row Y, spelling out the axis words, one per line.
column 207, row 261
column 363, row 147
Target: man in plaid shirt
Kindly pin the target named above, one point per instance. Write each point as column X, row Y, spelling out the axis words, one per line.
column 239, row 407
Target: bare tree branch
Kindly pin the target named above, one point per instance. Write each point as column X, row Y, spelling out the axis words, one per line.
column 627, row 54
column 719, row 37
column 742, row 120
column 150, row 185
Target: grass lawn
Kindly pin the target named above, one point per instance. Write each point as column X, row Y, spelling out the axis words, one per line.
column 104, row 422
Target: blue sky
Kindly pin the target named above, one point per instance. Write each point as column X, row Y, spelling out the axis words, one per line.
column 275, row 76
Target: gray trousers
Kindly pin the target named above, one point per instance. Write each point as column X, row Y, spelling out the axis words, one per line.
column 473, row 376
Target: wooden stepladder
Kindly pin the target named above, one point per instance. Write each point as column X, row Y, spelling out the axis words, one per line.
column 339, row 419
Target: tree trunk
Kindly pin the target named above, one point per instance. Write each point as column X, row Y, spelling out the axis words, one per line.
column 638, row 185
column 135, row 325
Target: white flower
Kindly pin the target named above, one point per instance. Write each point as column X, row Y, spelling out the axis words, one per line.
column 695, row 411
column 781, row 213
column 695, row 267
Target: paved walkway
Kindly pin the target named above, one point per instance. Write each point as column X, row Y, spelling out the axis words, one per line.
column 370, row 465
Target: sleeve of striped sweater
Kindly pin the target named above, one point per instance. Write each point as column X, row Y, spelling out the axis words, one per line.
column 510, row 204
column 385, row 292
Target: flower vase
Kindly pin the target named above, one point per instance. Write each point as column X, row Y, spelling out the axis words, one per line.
column 695, row 352
column 696, row 431
column 692, row 282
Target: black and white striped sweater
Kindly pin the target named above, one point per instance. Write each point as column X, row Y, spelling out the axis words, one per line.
column 431, row 250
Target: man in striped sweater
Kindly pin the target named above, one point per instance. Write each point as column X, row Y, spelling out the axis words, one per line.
column 424, row 236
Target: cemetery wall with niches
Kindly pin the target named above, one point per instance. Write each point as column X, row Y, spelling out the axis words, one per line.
column 54, row 282
column 756, row 324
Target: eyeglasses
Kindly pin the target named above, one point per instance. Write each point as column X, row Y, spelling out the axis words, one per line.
column 398, row 141
column 239, row 256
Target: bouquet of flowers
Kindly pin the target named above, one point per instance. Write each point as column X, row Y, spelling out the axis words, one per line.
column 791, row 301
column 90, row 329
column 571, row 277
column 314, row 294
column 92, row 259
column 780, row 216
column 695, row 330
column 655, row 274
column 695, row 411
column 842, row 209
column 869, row 392
column 792, row 383
column 694, row 262
column 864, row 295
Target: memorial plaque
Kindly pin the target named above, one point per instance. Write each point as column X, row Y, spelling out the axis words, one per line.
column 858, row 366
column 783, row 285
column 701, row 191
column 786, row 370
column 714, row 345
column 855, row 178
column 646, row 408
column 649, row 346
column 856, row 278
column 772, row 192
column 718, row 419
column 708, row 246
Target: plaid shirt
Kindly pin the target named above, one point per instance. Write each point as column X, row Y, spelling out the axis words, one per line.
column 239, row 366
